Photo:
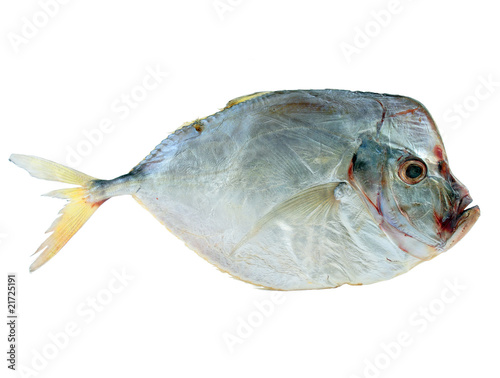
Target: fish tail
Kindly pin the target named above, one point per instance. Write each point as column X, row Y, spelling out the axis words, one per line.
column 84, row 200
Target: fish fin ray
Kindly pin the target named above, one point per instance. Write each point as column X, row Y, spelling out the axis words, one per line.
column 48, row 170
column 72, row 216
column 313, row 203
column 238, row 100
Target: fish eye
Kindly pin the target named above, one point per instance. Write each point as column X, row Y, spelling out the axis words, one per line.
column 412, row 171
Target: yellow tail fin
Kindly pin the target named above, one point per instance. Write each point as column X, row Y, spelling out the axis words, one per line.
column 74, row 215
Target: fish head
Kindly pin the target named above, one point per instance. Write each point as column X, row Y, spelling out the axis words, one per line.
column 414, row 197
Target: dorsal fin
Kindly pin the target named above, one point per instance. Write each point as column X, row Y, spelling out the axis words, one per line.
column 239, row 100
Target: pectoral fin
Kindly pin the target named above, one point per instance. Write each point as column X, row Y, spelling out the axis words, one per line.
column 311, row 206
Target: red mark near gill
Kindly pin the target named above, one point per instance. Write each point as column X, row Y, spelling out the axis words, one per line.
column 409, row 111
column 379, row 206
column 444, row 170
column 403, row 249
column 371, row 203
column 439, row 222
column 438, row 151
column 379, row 125
column 350, row 173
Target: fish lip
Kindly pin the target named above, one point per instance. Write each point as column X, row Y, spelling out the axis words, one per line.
column 464, row 202
column 462, row 224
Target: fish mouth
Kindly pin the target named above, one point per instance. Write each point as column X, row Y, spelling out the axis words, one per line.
column 459, row 226
column 462, row 205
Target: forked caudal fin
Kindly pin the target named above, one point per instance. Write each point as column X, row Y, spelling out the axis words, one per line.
column 73, row 216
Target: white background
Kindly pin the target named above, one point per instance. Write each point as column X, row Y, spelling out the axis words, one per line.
column 172, row 317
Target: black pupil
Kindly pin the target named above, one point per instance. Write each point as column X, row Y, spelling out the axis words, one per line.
column 414, row 171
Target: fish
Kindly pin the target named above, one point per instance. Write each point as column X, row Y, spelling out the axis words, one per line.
column 290, row 190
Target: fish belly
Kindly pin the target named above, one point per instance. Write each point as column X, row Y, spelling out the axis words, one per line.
column 341, row 245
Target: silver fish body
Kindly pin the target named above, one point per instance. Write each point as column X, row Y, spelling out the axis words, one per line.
column 305, row 189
